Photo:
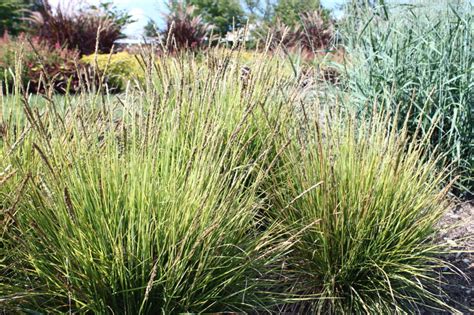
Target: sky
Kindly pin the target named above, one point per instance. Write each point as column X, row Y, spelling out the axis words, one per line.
column 144, row 10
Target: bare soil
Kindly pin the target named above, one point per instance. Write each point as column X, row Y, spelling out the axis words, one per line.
column 457, row 230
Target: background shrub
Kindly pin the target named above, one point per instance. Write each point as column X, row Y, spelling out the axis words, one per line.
column 316, row 32
column 223, row 15
column 78, row 29
column 312, row 33
column 118, row 69
column 184, row 29
column 39, row 64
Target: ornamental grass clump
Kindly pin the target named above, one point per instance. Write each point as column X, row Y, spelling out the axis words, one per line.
column 141, row 204
column 197, row 190
column 418, row 56
column 364, row 200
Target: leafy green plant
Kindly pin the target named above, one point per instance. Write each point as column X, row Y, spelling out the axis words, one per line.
column 118, row 69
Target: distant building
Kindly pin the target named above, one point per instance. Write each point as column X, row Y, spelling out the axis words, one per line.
column 241, row 34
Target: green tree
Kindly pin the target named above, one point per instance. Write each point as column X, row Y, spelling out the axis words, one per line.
column 11, row 14
column 120, row 17
column 258, row 10
column 289, row 11
column 222, row 14
column 151, row 29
